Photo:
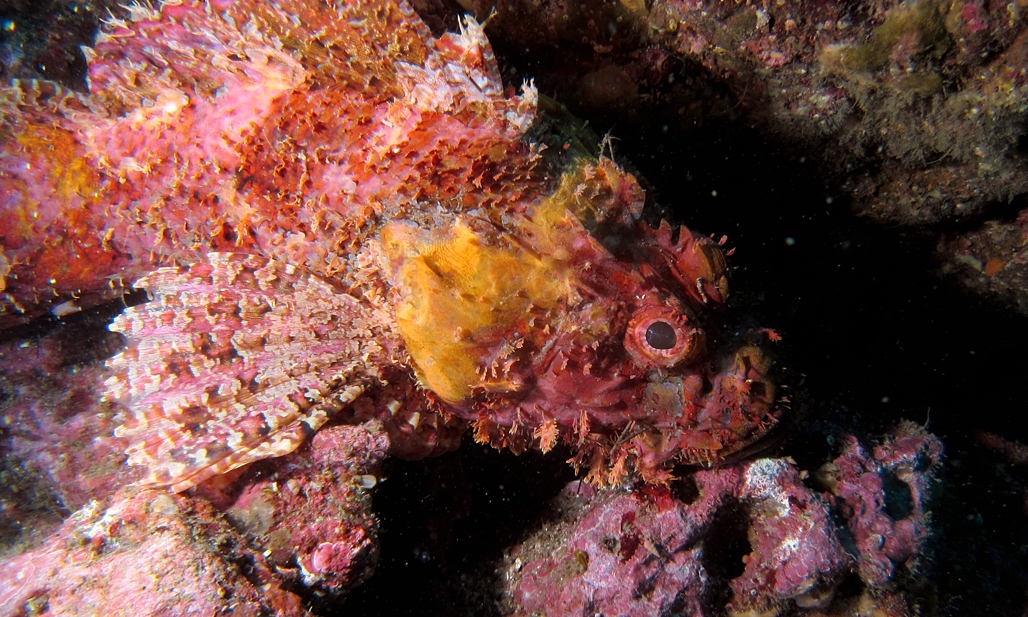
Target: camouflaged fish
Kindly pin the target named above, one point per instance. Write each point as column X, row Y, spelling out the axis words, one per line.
column 335, row 213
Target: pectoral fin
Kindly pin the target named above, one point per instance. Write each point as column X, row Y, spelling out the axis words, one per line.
column 237, row 359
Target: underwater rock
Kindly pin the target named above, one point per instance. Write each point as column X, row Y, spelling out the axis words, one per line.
column 654, row 550
column 56, row 446
column 310, row 512
column 147, row 553
column 991, row 261
column 911, row 109
column 883, row 495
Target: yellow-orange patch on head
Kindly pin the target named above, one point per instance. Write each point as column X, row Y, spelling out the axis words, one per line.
column 461, row 298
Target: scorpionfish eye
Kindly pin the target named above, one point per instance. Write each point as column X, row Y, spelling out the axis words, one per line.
column 662, row 336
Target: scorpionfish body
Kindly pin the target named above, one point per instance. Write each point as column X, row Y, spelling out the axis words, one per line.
column 335, row 212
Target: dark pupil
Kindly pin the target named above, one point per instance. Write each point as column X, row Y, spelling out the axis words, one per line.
column 660, row 335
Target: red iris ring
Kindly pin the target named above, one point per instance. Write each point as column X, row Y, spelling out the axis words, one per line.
column 654, row 321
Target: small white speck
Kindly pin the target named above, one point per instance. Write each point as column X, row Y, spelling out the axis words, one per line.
column 367, row 481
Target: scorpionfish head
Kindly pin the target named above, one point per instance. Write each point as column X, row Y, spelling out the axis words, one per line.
column 573, row 321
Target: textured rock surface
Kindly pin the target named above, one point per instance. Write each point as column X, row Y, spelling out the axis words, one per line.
column 915, row 108
column 991, row 260
column 147, row 553
column 310, row 513
column 56, row 445
column 649, row 552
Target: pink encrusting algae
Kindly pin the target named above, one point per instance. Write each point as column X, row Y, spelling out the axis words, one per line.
column 649, row 552
column 149, row 553
column 335, row 201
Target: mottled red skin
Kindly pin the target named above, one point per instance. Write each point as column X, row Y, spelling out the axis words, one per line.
column 619, row 401
column 147, row 553
column 229, row 152
column 413, row 422
column 642, row 552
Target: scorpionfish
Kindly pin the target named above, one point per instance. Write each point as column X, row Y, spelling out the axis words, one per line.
column 336, row 212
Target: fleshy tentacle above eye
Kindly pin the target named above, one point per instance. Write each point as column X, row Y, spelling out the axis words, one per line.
column 237, row 359
column 696, row 261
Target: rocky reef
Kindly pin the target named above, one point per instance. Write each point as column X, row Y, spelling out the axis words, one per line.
column 149, row 553
column 657, row 550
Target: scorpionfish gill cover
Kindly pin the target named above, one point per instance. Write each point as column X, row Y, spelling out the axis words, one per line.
column 323, row 199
